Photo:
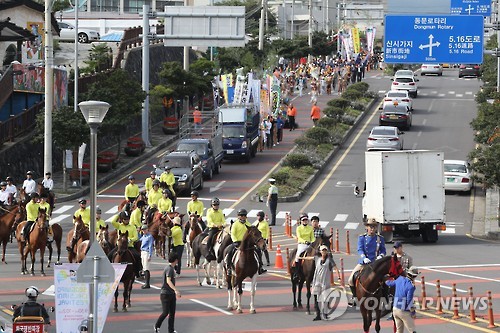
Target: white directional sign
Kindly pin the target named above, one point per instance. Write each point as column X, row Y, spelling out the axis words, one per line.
column 433, row 39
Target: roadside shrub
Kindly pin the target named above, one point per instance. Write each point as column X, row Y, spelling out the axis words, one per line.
column 326, row 122
column 348, row 119
column 352, row 112
column 336, row 137
column 352, row 94
column 358, row 106
column 318, row 134
column 334, row 112
column 296, row 160
column 362, row 87
column 282, row 176
column 304, row 142
column 339, row 103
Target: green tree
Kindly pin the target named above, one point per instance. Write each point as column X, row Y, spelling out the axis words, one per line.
column 181, row 82
column 125, row 96
column 100, row 59
column 203, row 71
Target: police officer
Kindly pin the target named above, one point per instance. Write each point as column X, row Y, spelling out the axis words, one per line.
column 305, row 236
column 165, row 204
column 99, row 222
column 168, row 178
column 371, row 246
column 215, row 222
column 272, row 200
column 177, row 242
column 31, row 307
column 196, row 206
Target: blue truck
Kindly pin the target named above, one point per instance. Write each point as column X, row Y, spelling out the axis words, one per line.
column 240, row 131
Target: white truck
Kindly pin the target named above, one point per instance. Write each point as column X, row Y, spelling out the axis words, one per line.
column 404, row 191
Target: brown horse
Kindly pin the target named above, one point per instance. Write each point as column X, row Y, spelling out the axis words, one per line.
column 245, row 265
column 305, row 272
column 123, row 255
column 12, row 216
column 57, row 238
column 81, row 251
column 102, row 238
column 78, row 234
column 160, row 227
column 51, row 197
column 194, row 228
column 371, row 292
column 128, row 207
column 37, row 240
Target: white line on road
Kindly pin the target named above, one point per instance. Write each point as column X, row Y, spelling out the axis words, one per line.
column 112, row 210
column 62, row 209
column 419, row 133
column 414, row 146
column 461, row 266
column 109, row 196
column 444, row 287
column 211, row 306
column 459, row 95
column 351, row 225
column 424, row 121
column 341, row 217
column 463, row 275
column 59, row 218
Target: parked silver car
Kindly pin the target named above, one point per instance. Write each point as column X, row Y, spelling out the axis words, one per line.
column 385, row 138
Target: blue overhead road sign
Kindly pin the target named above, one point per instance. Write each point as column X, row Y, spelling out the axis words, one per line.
column 471, row 7
column 433, row 39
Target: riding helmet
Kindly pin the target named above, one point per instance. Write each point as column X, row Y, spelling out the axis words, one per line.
column 195, row 193
column 242, row 212
column 215, row 201
column 34, row 195
column 82, row 201
column 98, row 210
column 131, row 177
column 124, row 216
column 3, row 184
column 168, row 167
column 29, row 173
column 156, row 182
column 141, row 203
column 166, row 191
column 152, row 173
column 32, row 292
column 261, row 214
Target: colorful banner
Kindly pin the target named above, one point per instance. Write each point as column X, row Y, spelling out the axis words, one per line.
column 72, row 298
column 370, row 39
column 34, row 48
column 355, row 40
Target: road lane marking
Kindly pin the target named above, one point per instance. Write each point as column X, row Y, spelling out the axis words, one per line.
column 460, row 266
column 351, row 225
column 342, row 157
column 340, row 217
column 59, row 218
column 463, row 275
column 424, row 121
column 62, row 209
column 109, row 196
column 442, row 286
column 211, row 306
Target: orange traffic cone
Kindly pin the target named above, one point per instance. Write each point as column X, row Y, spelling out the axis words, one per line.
column 279, row 258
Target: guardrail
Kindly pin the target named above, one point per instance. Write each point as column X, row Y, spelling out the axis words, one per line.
column 131, row 38
column 19, row 124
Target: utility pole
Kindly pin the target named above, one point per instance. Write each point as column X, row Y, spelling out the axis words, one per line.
column 261, row 26
column 292, row 21
column 145, row 74
column 310, row 23
column 49, row 88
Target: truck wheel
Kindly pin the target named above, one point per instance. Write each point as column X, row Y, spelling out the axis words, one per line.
column 388, row 236
column 253, row 152
column 429, row 235
column 210, row 173
column 217, row 167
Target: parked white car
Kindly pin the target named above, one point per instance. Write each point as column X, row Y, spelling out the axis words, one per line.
column 457, row 176
column 84, row 35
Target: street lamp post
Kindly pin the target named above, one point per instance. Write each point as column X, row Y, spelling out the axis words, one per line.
column 94, row 113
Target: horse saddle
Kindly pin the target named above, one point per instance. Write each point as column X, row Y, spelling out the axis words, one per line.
column 204, row 241
column 217, row 239
column 356, row 276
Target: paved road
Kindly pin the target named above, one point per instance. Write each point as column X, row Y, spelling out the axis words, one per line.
column 442, row 112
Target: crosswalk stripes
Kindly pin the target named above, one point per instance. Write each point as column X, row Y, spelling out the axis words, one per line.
column 340, row 217
column 113, row 210
column 62, row 209
column 351, row 225
column 60, row 218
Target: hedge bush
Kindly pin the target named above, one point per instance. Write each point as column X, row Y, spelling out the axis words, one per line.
column 304, row 142
column 339, row 103
column 326, row 122
column 296, row 160
column 318, row 134
column 362, row 87
column 352, row 94
column 334, row 112
column 282, row 176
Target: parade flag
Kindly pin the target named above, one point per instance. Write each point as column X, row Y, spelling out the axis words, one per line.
column 355, row 40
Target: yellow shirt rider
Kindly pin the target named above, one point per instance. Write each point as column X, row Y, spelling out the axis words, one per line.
column 83, row 212
column 99, row 222
column 305, row 236
column 215, row 221
column 165, row 204
column 31, row 215
column 154, row 195
column 168, row 178
column 136, row 215
column 148, row 183
column 131, row 190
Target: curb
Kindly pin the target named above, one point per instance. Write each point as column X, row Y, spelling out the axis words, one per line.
column 112, row 175
column 308, row 183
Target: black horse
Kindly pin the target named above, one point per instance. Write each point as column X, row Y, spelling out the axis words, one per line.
column 305, row 272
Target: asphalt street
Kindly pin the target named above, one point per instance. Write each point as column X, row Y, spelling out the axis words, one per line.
column 443, row 111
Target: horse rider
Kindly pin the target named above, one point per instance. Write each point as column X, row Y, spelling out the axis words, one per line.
column 11, row 188
column 371, row 246
column 44, row 204
column 238, row 230
column 154, row 194
column 215, row 222
column 263, row 226
column 136, row 215
column 177, row 242
column 195, row 206
column 99, row 222
column 83, row 212
column 165, row 203
column 131, row 190
column 29, row 184
column 121, row 222
column 148, row 183
column 5, row 197
column 305, row 237
column 405, row 260
column 147, row 243
column 48, row 182
column 31, row 308
column 403, row 309
column 31, row 216
column 168, row 178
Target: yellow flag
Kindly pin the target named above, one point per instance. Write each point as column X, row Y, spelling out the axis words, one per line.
column 355, row 39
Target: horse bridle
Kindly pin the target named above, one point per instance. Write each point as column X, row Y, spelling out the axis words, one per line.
column 381, row 283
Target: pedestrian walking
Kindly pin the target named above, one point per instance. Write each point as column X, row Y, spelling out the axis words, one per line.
column 272, row 199
column 168, row 295
column 146, row 254
column 280, row 124
column 291, row 113
column 315, row 114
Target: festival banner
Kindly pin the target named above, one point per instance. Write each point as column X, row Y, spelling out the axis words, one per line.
column 72, row 298
column 355, row 40
column 34, row 48
column 249, row 87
